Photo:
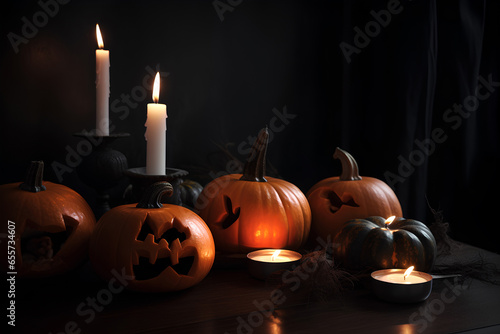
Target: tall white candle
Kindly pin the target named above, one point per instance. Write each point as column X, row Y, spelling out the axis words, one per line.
column 156, row 133
column 101, row 86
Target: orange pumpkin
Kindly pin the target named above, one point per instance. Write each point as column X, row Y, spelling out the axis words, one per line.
column 160, row 247
column 249, row 211
column 338, row 199
column 48, row 224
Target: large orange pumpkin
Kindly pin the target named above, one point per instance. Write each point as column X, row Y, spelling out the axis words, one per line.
column 159, row 247
column 48, row 224
column 249, row 211
column 338, row 199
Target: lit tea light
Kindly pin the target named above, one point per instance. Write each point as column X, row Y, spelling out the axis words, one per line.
column 389, row 221
column 264, row 262
column 401, row 285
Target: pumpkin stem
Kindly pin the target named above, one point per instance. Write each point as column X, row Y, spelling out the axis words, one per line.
column 151, row 198
column 350, row 170
column 255, row 167
column 34, row 178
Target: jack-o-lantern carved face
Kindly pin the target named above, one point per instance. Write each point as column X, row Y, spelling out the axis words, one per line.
column 164, row 247
column 49, row 225
column 336, row 200
column 249, row 211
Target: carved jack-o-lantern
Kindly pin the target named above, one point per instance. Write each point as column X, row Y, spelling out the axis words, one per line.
column 249, row 211
column 164, row 247
column 338, row 199
column 48, row 224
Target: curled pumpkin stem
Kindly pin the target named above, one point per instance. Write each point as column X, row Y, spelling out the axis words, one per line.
column 151, row 198
column 34, row 178
column 350, row 171
column 255, row 167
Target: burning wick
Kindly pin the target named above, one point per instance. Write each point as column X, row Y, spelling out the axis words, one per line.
column 389, row 220
column 275, row 255
column 408, row 272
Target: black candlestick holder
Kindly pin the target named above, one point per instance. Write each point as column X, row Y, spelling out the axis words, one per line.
column 103, row 168
column 140, row 181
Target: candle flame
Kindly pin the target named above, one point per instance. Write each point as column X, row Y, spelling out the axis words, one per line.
column 275, row 255
column 389, row 220
column 156, row 88
column 408, row 272
column 100, row 43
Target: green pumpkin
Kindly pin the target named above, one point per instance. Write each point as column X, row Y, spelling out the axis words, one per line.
column 371, row 244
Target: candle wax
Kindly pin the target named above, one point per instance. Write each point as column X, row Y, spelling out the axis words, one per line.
column 277, row 259
column 102, row 92
column 398, row 278
column 156, row 139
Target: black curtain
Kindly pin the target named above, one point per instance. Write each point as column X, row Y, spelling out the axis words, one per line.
column 409, row 88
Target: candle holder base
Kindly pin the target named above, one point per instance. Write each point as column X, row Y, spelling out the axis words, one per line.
column 139, row 181
column 103, row 168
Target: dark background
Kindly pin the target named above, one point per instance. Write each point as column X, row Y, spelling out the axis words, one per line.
column 225, row 77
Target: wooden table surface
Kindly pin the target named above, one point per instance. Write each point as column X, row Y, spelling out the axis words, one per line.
column 230, row 301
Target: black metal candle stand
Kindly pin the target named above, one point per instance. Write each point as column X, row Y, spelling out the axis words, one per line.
column 103, row 168
column 140, row 181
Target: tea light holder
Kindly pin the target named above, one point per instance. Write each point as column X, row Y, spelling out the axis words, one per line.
column 391, row 285
column 264, row 262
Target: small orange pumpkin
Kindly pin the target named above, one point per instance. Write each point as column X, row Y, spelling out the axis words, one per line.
column 338, row 199
column 249, row 211
column 52, row 225
column 162, row 247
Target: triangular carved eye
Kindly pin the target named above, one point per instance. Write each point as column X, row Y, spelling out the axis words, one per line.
column 38, row 245
column 336, row 202
column 229, row 217
column 170, row 235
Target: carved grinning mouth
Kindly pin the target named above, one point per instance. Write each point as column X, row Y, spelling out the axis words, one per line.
column 154, row 255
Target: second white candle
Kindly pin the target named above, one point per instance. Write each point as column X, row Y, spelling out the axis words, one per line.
column 156, row 133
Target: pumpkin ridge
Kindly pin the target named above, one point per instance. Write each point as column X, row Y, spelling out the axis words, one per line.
column 295, row 193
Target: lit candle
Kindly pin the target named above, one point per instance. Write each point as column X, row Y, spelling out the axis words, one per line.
column 156, row 133
column 275, row 257
column 101, row 86
column 405, row 278
column 389, row 221
column 401, row 286
column 262, row 263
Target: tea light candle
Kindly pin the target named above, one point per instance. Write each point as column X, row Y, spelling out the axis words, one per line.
column 264, row 262
column 101, row 86
column 156, row 133
column 401, row 286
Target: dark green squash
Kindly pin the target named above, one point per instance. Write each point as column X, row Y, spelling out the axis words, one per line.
column 370, row 244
